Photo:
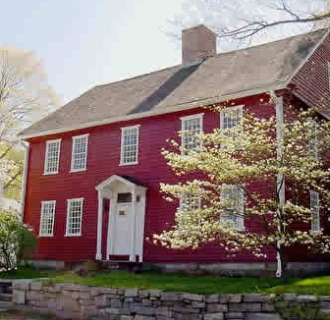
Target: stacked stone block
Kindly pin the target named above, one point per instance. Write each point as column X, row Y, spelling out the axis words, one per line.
column 69, row 301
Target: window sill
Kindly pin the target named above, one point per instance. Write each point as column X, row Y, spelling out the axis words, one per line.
column 77, row 170
column 45, row 236
column 50, row 173
column 72, row 235
column 128, row 164
column 314, row 232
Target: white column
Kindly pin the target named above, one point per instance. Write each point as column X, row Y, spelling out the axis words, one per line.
column 26, row 146
column 133, row 227
column 111, row 225
column 99, row 226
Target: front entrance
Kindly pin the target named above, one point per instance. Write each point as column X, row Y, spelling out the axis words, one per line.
column 125, row 230
column 123, row 219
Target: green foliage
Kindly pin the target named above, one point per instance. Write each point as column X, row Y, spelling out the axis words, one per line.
column 15, row 240
column 29, row 273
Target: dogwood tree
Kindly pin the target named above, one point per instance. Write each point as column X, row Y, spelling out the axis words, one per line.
column 257, row 189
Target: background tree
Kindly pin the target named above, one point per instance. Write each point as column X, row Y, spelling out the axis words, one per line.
column 218, row 207
column 242, row 22
column 25, row 97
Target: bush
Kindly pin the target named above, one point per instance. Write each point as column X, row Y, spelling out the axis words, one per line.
column 16, row 241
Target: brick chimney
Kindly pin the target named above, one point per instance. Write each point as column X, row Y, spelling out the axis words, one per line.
column 198, row 43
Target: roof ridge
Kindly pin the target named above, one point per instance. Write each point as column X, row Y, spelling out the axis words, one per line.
column 213, row 56
column 271, row 42
column 164, row 80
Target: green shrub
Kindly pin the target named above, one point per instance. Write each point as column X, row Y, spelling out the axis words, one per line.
column 16, row 241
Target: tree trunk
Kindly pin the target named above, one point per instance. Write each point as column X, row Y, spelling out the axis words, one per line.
column 283, row 257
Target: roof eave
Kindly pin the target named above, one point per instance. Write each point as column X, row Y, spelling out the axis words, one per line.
column 170, row 109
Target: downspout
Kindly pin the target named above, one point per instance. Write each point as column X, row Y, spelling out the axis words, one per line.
column 26, row 147
column 280, row 179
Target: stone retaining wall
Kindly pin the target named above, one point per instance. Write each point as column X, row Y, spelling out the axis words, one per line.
column 68, row 301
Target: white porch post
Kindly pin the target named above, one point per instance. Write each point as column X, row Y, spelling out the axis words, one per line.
column 133, row 227
column 99, row 226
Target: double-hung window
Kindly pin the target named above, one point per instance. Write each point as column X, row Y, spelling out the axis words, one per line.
column 232, row 201
column 315, row 211
column 52, row 158
column 47, row 218
column 74, row 217
column 79, row 153
column 191, row 127
column 129, row 145
column 312, row 140
column 190, row 202
column 231, row 121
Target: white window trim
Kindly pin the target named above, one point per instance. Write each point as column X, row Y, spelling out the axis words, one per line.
column 311, row 194
column 123, row 129
column 233, row 108
column 48, row 142
column 240, row 220
column 74, row 138
column 67, row 234
column 199, row 116
column 43, row 203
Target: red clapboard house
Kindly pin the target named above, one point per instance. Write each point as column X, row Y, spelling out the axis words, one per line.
column 94, row 166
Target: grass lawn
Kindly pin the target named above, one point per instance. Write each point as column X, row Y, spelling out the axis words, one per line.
column 181, row 282
column 201, row 284
column 26, row 273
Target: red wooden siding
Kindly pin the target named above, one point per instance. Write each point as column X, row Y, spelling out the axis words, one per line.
column 311, row 83
column 103, row 162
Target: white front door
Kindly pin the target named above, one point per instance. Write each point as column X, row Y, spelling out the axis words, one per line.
column 123, row 229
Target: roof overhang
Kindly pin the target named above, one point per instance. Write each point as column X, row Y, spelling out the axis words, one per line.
column 170, row 109
column 115, row 178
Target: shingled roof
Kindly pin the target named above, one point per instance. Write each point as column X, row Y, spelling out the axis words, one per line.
column 218, row 78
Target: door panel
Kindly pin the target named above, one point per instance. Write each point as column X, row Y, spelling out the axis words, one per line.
column 123, row 229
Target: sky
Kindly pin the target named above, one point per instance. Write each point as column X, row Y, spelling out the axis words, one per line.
column 82, row 43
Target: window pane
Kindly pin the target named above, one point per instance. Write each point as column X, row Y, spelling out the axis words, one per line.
column 312, row 140
column 79, row 153
column 232, row 200
column 124, row 197
column 129, row 145
column 74, row 219
column 47, row 218
column 231, row 121
column 191, row 128
column 190, row 202
column 315, row 211
column 52, row 156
